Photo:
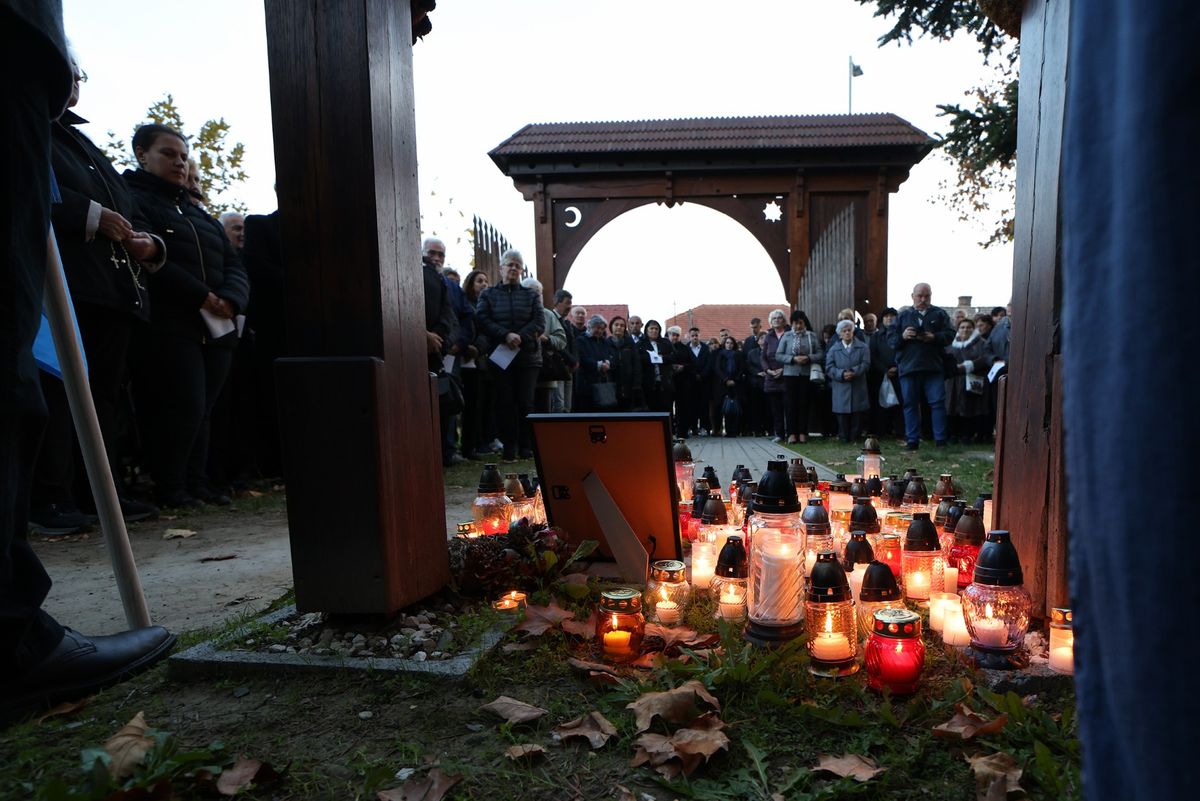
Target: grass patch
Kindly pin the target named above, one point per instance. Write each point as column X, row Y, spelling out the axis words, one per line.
column 972, row 465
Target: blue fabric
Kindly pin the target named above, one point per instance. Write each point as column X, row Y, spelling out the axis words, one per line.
column 1129, row 212
column 933, row 385
column 43, row 347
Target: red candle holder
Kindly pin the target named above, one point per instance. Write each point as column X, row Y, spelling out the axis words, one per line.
column 895, row 654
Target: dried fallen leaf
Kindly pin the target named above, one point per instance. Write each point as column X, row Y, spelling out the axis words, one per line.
column 650, row 660
column 967, row 724
column 859, row 768
column 221, row 558
column 178, row 533
column 540, row 619
column 514, row 647
column 528, row 751
column 244, row 772
column 673, row 636
column 128, row 747
column 625, row 794
column 674, row 706
column 996, row 775
column 581, row 628
column 254, row 493
column 65, row 708
column 512, row 710
column 685, row 750
column 432, row 788
column 585, row 666
column 593, row 727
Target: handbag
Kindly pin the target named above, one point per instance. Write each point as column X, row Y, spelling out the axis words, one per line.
column 887, row 395
column 604, row 395
column 816, row 374
column 450, row 394
column 554, row 365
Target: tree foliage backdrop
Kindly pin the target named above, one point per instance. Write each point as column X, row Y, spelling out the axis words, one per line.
column 982, row 138
column 220, row 161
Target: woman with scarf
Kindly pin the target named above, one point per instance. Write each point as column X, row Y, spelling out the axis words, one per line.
column 773, row 386
column 966, row 391
column 656, row 368
column 799, row 350
column 846, row 365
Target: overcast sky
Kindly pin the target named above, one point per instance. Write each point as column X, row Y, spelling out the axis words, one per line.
column 489, row 68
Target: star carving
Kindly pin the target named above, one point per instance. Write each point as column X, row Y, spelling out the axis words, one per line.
column 773, row 212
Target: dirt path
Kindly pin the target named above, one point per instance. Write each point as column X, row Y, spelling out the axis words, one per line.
column 183, row 591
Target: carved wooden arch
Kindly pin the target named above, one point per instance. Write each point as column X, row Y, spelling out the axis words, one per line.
column 576, row 222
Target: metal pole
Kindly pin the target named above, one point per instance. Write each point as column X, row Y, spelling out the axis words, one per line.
column 850, row 85
column 95, row 457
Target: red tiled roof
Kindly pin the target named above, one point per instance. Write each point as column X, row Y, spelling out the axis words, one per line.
column 710, row 318
column 606, row 310
column 709, row 134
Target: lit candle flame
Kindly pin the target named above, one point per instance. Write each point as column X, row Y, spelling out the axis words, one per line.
column 614, row 620
column 662, row 590
column 829, row 622
column 987, row 611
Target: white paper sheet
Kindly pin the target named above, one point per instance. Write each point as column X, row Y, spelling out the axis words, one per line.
column 217, row 326
column 997, row 366
column 503, row 356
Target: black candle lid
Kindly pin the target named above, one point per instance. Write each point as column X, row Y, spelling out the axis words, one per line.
column 731, row 562
column 713, row 513
column 953, row 514
column 922, row 534
column 814, row 517
column 898, row 624
column 871, row 444
column 839, row 483
column 680, row 452
column 863, row 516
column 710, row 473
column 858, row 550
column 875, row 486
column 879, row 584
column 999, row 564
column 775, row 493
column 828, row 582
column 969, row 529
column 490, row 479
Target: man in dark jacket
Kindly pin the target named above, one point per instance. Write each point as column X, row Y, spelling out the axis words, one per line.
column 919, row 337
column 562, row 400
column 440, row 328
column 40, row 661
column 883, row 367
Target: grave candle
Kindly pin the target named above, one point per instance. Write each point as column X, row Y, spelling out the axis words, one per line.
column 955, row 629
column 856, row 577
column 937, row 608
column 951, row 578
column 704, row 563
column 830, row 645
column 990, row 631
column 895, row 655
column 1062, row 641
column 732, row 603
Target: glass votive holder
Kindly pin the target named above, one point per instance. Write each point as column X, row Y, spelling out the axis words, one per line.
column 704, row 564
column 1062, row 641
column 510, row 601
column 829, row 619
column 667, row 592
column 620, row 626
column 895, row 654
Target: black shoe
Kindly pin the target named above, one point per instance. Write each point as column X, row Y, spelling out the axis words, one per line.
column 80, row 666
column 179, row 500
column 58, row 519
column 205, row 495
column 133, row 511
column 911, row 446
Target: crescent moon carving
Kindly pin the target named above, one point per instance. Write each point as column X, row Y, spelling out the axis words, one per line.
column 578, row 216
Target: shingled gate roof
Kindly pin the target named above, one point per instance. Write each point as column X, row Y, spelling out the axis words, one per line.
column 740, row 137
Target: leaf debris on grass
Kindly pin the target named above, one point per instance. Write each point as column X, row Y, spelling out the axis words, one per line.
column 593, row 727
column 540, row 619
column 512, row 710
column 526, row 751
column 683, row 751
column 433, row 787
column 859, row 768
column 673, row 706
column 128, row 747
column 996, row 775
column 967, row 724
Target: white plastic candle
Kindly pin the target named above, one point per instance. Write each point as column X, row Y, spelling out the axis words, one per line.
column 830, row 645
column 780, row 583
column 918, row 585
column 950, row 584
column 810, row 559
column 856, row 580
column 955, row 630
column 667, row 612
column 704, row 564
column 1062, row 659
column 937, row 608
column 732, row 604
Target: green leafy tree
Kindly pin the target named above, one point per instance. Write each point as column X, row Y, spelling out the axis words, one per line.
column 982, row 139
column 220, row 161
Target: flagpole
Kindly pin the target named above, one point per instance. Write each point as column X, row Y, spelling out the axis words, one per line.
column 850, row 85
column 91, row 443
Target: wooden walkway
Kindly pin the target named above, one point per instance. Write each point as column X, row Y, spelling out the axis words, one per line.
column 726, row 453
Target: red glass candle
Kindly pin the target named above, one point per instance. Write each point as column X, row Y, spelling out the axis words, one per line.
column 888, row 552
column 895, row 654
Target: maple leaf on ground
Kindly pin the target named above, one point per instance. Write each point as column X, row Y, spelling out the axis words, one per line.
column 65, row 708
column 432, row 788
column 673, row 706
column 243, row 772
column 528, row 751
column 967, row 724
column 581, row 628
column 593, row 727
column 512, row 710
column 996, row 775
column 679, row 635
column 128, row 747
column 859, row 768
column 540, row 619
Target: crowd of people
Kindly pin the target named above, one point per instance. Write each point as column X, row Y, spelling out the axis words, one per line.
column 917, row 373
column 178, row 359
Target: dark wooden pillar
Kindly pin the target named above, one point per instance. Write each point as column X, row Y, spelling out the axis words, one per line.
column 362, row 461
column 1031, row 496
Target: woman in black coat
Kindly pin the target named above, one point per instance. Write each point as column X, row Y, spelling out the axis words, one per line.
column 729, row 371
column 597, row 358
column 510, row 317
column 627, row 367
column 108, row 258
column 194, row 299
column 656, row 368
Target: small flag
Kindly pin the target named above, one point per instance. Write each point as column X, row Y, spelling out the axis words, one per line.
column 855, row 70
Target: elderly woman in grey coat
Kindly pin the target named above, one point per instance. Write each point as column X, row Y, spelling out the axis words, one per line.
column 966, row 392
column 846, row 363
column 799, row 349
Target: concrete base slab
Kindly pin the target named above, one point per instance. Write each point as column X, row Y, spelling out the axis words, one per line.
column 209, row 659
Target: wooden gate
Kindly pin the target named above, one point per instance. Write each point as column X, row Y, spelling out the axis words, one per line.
column 827, row 285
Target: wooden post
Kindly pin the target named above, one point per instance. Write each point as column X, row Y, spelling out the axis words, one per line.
column 1030, row 480
column 366, row 511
